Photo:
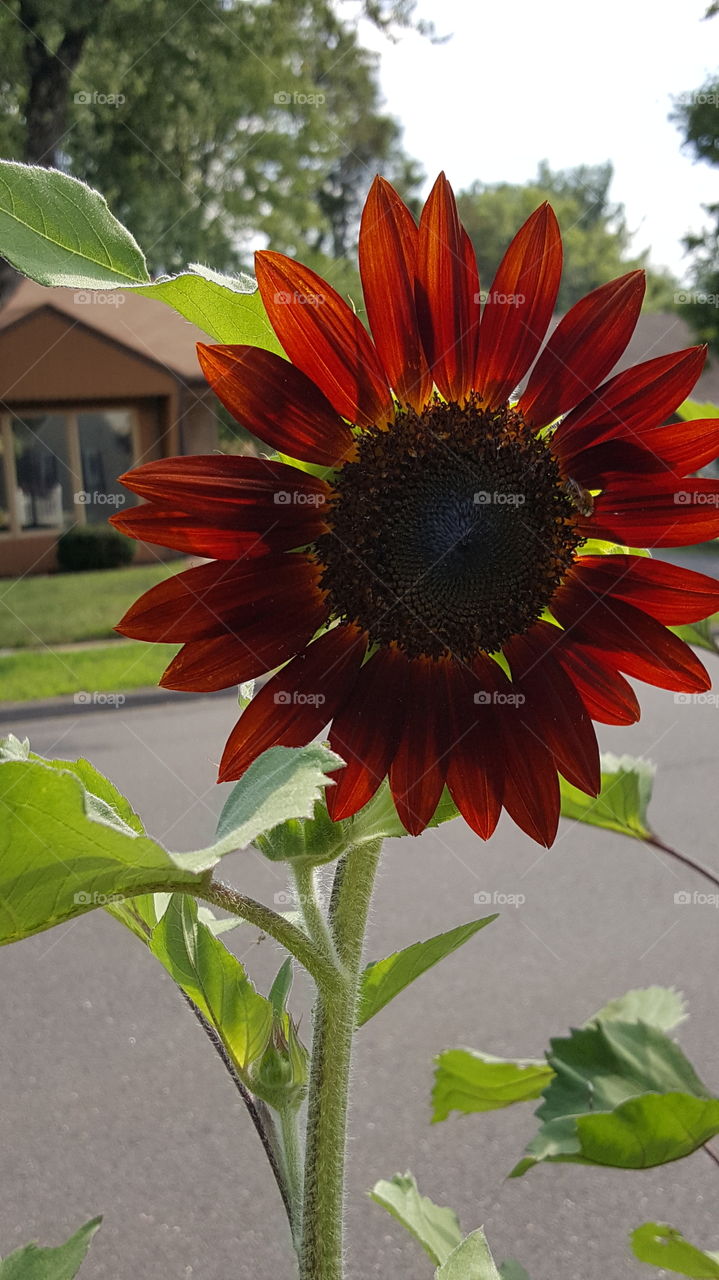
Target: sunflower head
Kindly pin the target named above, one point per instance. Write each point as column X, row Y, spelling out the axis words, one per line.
column 435, row 565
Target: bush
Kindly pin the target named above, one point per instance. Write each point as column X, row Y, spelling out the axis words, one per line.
column 93, row 547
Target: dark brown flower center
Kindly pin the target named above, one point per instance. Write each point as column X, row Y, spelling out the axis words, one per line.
column 449, row 533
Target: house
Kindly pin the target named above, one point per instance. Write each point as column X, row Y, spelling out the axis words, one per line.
column 90, row 385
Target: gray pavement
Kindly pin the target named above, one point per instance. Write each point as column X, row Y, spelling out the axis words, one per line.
column 113, row 1102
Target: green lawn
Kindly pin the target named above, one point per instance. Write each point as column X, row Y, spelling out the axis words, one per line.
column 104, row 670
column 62, row 607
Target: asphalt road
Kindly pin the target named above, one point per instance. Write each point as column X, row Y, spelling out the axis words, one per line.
column 113, row 1102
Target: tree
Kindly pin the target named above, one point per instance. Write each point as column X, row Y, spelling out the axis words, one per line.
column 596, row 237
column 697, row 116
column 205, row 127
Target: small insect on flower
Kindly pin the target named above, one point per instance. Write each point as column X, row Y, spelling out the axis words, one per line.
column 422, row 579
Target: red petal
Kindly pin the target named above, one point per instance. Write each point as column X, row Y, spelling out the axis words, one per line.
column 212, row 599
column 277, row 402
column 684, row 446
column 366, row 731
column 607, row 696
column 531, row 785
column 656, row 514
column 419, row 768
column 447, row 294
column 613, row 461
column 667, row 592
column 636, row 399
column 387, row 261
column 635, row 642
column 226, row 660
column 519, row 307
column 193, row 535
column 474, row 776
column 229, row 487
column 558, row 711
column 324, row 338
column 585, row 345
column 292, row 708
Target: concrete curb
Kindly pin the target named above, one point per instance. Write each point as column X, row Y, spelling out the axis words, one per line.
column 65, row 706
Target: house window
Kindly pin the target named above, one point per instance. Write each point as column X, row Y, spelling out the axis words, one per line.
column 45, row 485
column 60, row 468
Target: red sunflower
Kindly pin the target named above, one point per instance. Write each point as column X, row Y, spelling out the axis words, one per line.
column 434, row 569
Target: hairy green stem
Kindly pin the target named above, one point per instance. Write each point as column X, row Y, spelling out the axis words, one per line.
column 293, row 1169
column 305, row 883
column 296, row 941
column 321, row 1255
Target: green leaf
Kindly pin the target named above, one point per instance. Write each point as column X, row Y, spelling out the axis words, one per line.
column 58, row 231
column 701, row 634
column 222, row 306
column 384, row 979
column 663, row 1246
column 623, row 801
column 284, row 783
column 33, row 1262
column 623, row 1095
column 378, row 820
column 60, row 858
column 471, row 1260
column 468, row 1081
column 436, row 1229
column 690, row 409
column 660, row 1007
column 214, row 980
column 281, row 987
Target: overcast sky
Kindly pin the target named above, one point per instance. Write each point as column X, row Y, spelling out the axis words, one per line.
column 524, row 80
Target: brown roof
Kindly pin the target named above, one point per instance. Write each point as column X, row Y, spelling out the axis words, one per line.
column 144, row 325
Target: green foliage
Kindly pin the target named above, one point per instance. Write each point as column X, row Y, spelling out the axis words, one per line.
column 471, row 1260
column 663, row 1246
column 661, row 1007
column 88, row 547
column 69, row 842
column 622, row 804
column 436, row 1229
column 384, row 979
column 624, row 1095
column 697, row 118
column 215, row 981
column 198, row 123
column 594, row 230
column 468, row 1081
column 35, row 1262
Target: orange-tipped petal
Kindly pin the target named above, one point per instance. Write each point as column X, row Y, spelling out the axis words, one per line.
column 276, row 402
column 519, row 306
column 447, row 294
column 324, row 338
column 584, row 347
column 387, row 261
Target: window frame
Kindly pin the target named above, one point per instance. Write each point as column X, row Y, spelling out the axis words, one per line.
column 72, row 439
